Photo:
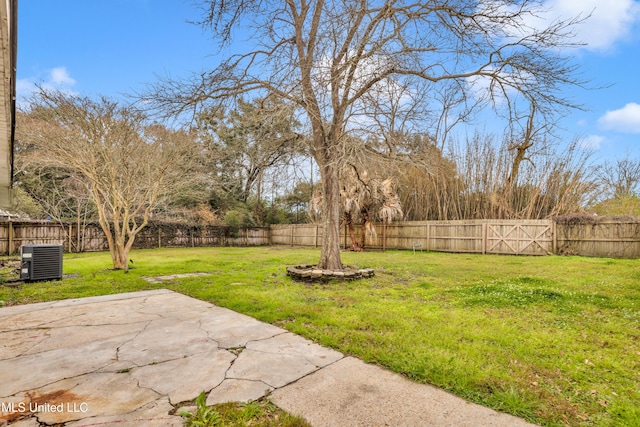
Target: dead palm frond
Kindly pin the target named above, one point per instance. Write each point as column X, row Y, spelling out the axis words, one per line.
column 363, row 199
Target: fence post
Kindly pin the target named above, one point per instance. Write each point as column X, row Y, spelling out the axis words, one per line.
column 384, row 237
column 554, row 237
column 80, row 238
column 159, row 238
column 70, row 237
column 346, row 230
column 10, row 242
column 484, row 238
column 315, row 237
column 428, row 245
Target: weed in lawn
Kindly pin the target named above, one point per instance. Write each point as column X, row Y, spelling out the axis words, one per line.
column 516, row 292
column 513, row 401
column 256, row 414
column 424, row 285
column 204, row 416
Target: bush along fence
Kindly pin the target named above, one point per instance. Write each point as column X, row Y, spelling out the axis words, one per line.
column 574, row 235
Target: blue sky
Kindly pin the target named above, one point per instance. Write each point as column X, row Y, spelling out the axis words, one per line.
column 112, row 47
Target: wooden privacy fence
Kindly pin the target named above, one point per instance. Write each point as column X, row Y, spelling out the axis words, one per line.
column 166, row 235
column 14, row 234
column 619, row 238
column 532, row 237
column 599, row 238
column 595, row 237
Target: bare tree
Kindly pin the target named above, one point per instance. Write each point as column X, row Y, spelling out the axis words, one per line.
column 619, row 185
column 57, row 191
column 620, row 178
column 327, row 56
column 125, row 164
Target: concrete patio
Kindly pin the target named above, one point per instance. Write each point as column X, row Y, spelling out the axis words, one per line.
column 133, row 359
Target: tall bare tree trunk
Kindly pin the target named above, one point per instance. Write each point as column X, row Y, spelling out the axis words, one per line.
column 330, row 255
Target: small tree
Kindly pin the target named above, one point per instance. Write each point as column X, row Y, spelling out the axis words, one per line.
column 125, row 164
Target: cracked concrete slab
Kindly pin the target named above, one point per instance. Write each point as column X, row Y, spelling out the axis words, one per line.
column 72, row 336
column 154, row 414
column 19, row 342
column 280, row 360
column 33, row 371
column 166, row 339
column 231, row 390
column 182, row 379
column 295, row 345
column 171, row 305
column 91, row 395
column 31, row 308
column 27, row 422
column 118, row 313
column 128, row 359
column 234, row 330
column 276, row 371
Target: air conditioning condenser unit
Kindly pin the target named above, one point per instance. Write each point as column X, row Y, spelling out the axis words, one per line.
column 41, row 262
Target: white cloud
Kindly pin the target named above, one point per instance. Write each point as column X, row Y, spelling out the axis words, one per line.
column 57, row 79
column 60, row 77
column 604, row 23
column 607, row 23
column 625, row 119
column 592, row 142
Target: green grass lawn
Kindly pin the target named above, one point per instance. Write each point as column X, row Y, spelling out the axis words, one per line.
column 554, row 340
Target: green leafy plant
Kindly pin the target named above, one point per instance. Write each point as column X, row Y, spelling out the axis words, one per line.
column 205, row 416
column 260, row 413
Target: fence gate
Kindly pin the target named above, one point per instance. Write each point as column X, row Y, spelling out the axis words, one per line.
column 519, row 238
